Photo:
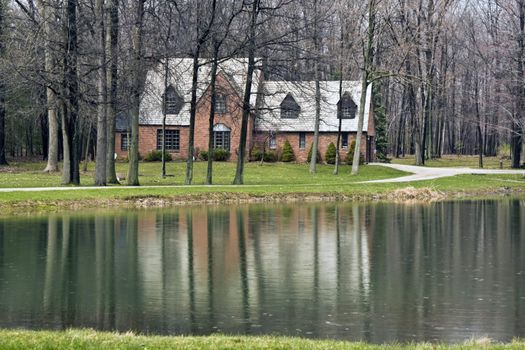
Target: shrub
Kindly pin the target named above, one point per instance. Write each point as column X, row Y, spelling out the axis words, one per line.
column 504, row 151
column 256, row 155
column 126, row 158
column 156, row 156
column 319, row 160
column 330, row 154
column 349, row 159
column 287, row 155
column 219, row 155
column 270, row 156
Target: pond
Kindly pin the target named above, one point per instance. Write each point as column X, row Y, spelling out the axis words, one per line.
column 447, row 271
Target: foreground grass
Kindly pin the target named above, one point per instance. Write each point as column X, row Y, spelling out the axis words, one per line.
column 456, row 161
column 89, row 339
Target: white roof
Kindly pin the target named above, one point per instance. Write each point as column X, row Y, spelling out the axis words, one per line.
column 180, row 77
column 304, row 94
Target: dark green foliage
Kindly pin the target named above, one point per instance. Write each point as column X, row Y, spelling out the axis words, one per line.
column 156, row 156
column 381, row 125
column 330, row 154
column 219, row 155
column 319, row 160
column 256, row 155
column 270, row 156
column 287, row 155
column 349, row 159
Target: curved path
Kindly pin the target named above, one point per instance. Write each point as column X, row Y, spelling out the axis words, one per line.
column 420, row 173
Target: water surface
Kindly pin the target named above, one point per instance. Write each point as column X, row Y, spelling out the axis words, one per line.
column 377, row 272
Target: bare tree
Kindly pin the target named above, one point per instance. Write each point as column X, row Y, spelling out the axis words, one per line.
column 102, row 87
column 133, row 169
column 112, row 83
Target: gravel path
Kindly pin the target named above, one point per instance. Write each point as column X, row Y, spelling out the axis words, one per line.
column 420, row 173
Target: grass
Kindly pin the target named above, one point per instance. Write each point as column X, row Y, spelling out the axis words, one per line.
column 269, row 182
column 457, row 161
column 31, row 175
column 89, row 339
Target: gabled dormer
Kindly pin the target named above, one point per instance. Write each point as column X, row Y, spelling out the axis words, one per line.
column 173, row 101
column 290, row 109
column 346, row 107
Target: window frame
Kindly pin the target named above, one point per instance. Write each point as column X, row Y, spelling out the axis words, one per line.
column 272, row 141
column 173, row 102
column 124, row 145
column 302, row 140
column 172, row 140
column 344, row 140
column 225, row 139
column 222, row 101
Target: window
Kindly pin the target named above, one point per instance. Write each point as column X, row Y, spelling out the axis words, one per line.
column 124, row 143
column 172, row 140
column 344, row 140
column 220, row 103
column 289, row 108
column 173, row 102
column 272, row 142
column 221, row 137
column 346, row 107
column 347, row 113
column 302, row 140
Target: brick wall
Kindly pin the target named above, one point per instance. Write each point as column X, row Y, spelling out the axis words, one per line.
column 148, row 141
column 232, row 118
column 301, row 155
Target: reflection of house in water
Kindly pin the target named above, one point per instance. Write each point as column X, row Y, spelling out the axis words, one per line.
column 254, row 261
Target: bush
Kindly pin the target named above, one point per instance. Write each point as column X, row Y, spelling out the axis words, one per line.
column 156, row 156
column 219, row 155
column 349, row 159
column 319, row 160
column 330, row 154
column 270, row 156
column 256, row 155
column 504, row 151
column 287, row 155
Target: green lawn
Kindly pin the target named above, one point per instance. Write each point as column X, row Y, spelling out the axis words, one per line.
column 269, row 182
column 30, row 174
column 456, row 161
column 88, row 339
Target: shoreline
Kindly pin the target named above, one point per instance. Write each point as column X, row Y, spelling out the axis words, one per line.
column 402, row 195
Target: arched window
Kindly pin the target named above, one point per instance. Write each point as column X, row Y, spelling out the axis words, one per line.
column 173, row 102
column 289, row 108
column 221, row 137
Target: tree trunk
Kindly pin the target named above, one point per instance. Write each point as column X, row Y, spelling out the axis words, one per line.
column 102, row 86
column 71, row 134
column 213, row 95
column 517, row 128
column 3, row 160
column 133, row 169
column 112, row 78
column 239, row 172
column 368, row 59
column 49, row 67
column 315, row 144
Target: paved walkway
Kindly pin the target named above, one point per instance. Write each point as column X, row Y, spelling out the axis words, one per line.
column 420, row 173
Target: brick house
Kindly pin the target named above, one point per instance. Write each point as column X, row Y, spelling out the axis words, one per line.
column 281, row 111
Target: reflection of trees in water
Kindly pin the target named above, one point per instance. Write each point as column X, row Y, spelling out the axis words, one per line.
column 395, row 268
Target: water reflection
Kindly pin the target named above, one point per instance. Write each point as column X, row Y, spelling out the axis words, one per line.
column 379, row 273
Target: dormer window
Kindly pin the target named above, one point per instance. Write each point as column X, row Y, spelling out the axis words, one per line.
column 220, row 103
column 346, row 107
column 173, row 102
column 289, row 108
